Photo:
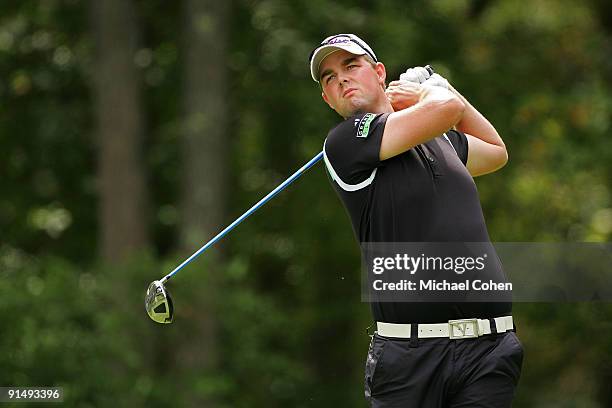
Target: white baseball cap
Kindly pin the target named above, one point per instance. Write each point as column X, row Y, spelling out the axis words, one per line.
column 346, row 42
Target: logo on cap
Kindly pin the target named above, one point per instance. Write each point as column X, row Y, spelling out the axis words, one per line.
column 339, row 40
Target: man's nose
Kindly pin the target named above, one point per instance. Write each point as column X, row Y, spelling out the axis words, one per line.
column 342, row 79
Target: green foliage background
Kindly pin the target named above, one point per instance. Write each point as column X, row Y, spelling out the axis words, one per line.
column 291, row 326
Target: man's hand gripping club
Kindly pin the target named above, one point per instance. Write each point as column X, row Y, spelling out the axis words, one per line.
column 403, row 93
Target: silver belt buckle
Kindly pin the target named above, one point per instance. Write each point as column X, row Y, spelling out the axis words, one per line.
column 458, row 329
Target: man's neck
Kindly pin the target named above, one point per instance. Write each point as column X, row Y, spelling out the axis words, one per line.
column 382, row 107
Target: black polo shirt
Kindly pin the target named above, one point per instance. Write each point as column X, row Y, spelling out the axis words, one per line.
column 425, row 194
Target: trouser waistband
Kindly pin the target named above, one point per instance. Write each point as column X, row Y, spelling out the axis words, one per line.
column 453, row 329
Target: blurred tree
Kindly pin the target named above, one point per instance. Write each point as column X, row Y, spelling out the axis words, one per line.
column 205, row 111
column 120, row 126
column 205, row 139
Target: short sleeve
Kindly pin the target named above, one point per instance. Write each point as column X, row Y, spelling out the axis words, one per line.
column 352, row 149
column 460, row 143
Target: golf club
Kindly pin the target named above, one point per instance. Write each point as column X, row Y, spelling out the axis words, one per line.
column 158, row 302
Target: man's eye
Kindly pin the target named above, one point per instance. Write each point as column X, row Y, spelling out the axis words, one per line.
column 330, row 77
column 351, row 66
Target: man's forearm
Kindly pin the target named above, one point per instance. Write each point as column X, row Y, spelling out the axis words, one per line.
column 475, row 124
column 421, row 114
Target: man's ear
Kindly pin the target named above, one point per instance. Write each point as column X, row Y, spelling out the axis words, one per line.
column 381, row 71
column 326, row 99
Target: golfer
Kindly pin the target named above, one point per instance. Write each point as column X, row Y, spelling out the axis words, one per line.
column 403, row 162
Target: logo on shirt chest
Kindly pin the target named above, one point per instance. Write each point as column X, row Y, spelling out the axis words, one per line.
column 363, row 124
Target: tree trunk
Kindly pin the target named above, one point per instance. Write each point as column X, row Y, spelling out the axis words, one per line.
column 205, row 135
column 121, row 176
column 204, row 157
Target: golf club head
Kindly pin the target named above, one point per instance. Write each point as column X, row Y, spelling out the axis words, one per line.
column 158, row 303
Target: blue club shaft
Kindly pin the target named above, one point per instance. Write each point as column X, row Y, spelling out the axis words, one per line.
column 244, row 216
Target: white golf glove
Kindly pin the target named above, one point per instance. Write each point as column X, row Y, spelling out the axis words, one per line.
column 416, row 74
column 437, row 80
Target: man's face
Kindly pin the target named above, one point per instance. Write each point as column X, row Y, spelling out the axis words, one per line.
column 350, row 83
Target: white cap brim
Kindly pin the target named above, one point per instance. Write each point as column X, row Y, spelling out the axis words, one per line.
column 325, row 50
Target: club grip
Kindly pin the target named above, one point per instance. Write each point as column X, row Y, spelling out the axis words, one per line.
column 429, row 69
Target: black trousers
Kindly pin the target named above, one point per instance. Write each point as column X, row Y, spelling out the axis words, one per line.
column 443, row 373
